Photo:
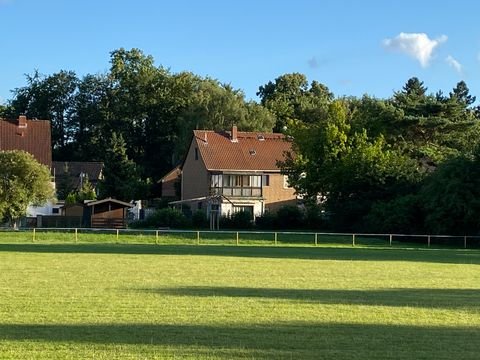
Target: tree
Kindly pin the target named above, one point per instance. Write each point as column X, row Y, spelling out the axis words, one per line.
column 52, row 98
column 347, row 166
column 5, row 111
column 91, row 116
column 121, row 180
column 451, row 197
column 290, row 98
column 86, row 192
column 462, row 94
column 23, row 181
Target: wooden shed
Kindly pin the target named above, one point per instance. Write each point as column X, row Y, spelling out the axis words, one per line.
column 108, row 213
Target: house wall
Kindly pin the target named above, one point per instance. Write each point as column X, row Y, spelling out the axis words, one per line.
column 44, row 209
column 227, row 208
column 195, row 181
column 169, row 188
column 276, row 194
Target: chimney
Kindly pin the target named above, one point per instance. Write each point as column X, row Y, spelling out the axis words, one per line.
column 234, row 133
column 22, row 121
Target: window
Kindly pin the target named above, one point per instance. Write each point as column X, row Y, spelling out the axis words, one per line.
column 236, row 185
column 199, row 205
column 266, row 180
column 216, row 181
column 55, row 210
column 255, row 181
column 196, row 153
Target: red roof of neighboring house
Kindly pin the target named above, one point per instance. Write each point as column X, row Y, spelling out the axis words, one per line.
column 32, row 136
column 247, row 151
column 172, row 175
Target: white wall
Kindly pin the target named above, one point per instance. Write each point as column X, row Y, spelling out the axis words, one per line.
column 227, row 208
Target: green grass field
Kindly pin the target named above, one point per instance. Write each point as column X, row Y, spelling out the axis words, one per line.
column 87, row 300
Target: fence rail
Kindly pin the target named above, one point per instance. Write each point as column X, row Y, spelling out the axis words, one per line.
column 269, row 238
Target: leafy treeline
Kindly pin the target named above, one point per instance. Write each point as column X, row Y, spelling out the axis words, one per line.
column 408, row 163
column 405, row 164
column 137, row 117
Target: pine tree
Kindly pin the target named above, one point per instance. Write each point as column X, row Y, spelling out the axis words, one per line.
column 121, row 180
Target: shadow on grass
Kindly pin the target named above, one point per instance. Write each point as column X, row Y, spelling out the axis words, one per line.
column 311, row 253
column 284, row 340
column 424, row 298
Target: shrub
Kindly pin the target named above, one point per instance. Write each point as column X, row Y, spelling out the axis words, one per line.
column 290, row 217
column 166, row 217
column 314, row 217
column 400, row 215
column 199, row 220
column 239, row 220
column 267, row 221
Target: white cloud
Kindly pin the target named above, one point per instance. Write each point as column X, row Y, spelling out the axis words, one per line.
column 454, row 64
column 417, row 45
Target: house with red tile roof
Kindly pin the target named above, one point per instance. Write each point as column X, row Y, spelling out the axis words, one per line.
column 32, row 136
column 227, row 172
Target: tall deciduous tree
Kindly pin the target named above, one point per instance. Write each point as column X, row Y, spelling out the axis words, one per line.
column 289, row 98
column 346, row 166
column 53, row 98
column 23, row 181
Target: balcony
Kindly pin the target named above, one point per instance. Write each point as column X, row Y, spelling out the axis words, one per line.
column 246, row 192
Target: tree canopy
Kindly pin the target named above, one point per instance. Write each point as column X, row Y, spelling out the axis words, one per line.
column 23, row 181
column 369, row 163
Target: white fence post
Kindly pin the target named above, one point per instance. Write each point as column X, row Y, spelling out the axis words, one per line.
column 275, row 238
column 353, row 239
column 316, row 239
column 390, row 239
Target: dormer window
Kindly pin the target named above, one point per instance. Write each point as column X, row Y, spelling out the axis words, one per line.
column 252, row 152
column 260, row 137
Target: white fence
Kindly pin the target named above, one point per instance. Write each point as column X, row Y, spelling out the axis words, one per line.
column 266, row 238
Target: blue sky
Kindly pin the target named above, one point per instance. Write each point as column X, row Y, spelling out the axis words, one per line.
column 354, row 47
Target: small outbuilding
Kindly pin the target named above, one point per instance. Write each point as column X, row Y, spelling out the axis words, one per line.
column 107, row 213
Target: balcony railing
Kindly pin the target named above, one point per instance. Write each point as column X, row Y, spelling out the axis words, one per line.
column 238, row 191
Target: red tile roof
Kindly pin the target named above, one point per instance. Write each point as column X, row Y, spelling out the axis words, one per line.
column 252, row 151
column 32, row 136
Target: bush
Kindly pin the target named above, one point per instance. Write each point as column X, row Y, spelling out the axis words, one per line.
column 290, row 217
column 199, row 220
column 314, row 217
column 166, row 217
column 401, row 215
column 268, row 221
column 239, row 220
